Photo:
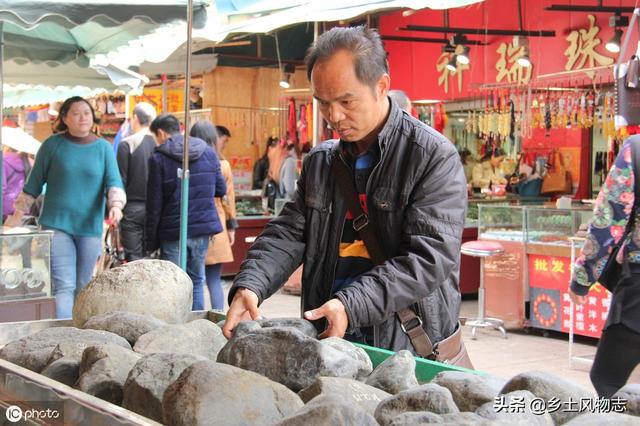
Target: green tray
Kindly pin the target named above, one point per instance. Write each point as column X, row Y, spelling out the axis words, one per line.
column 425, row 368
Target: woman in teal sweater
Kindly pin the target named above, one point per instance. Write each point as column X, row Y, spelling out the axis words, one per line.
column 80, row 173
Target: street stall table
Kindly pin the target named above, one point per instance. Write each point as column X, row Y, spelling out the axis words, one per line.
column 33, row 390
column 25, row 275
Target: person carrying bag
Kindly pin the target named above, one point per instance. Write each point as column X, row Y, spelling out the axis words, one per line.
column 612, row 241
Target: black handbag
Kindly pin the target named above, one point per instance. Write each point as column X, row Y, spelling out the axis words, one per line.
column 613, row 272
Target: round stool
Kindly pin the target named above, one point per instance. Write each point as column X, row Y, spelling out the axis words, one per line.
column 483, row 249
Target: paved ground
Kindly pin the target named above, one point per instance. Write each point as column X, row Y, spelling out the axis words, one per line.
column 492, row 353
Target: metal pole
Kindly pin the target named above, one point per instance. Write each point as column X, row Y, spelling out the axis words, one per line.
column 165, row 107
column 1, row 117
column 316, row 112
column 184, row 204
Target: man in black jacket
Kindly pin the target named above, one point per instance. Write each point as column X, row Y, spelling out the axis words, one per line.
column 411, row 186
column 133, row 158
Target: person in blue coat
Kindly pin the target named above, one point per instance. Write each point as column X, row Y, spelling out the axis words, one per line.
column 164, row 194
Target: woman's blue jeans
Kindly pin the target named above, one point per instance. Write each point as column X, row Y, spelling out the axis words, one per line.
column 73, row 260
column 196, row 253
column 213, row 273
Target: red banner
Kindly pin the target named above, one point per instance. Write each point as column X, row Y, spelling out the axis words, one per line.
column 550, row 306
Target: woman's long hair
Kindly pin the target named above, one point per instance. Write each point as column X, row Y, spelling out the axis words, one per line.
column 205, row 130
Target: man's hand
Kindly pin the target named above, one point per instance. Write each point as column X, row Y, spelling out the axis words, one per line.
column 576, row 298
column 336, row 316
column 244, row 307
column 232, row 236
column 115, row 215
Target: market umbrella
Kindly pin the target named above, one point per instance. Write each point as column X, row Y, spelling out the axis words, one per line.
column 96, row 27
column 18, row 139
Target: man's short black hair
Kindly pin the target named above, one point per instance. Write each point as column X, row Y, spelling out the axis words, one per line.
column 166, row 122
column 223, row 131
column 365, row 44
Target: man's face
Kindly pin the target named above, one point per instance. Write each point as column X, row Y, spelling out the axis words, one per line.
column 352, row 108
column 222, row 141
column 161, row 136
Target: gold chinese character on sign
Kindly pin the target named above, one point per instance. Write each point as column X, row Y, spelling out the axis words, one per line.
column 446, row 73
column 557, row 266
column 541, row 265
column 508, row 66
column 581, row 52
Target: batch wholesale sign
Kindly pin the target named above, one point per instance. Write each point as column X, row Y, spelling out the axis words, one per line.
column 550, row 303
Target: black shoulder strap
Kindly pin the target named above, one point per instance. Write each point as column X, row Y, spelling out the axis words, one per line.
column 410, row 323
column 360, row 218
column 636, row 167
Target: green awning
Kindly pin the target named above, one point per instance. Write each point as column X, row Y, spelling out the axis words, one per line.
column 107, row 13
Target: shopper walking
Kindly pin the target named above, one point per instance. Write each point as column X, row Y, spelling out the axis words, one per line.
column 409, row 184
column 164, row 191
column 219, row 250
column 16, row 168
column 80, row 173
column 619, row 346
column 133, row 158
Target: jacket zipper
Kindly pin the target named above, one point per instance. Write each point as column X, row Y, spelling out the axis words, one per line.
column 335, row 261
column 376, row 331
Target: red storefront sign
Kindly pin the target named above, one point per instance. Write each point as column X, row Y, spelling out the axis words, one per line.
column 420, row 68
column 550, row 306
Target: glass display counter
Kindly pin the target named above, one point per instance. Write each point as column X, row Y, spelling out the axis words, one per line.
column 25, row 275
column 553, row 227
column 504, row 275
column 551, row 250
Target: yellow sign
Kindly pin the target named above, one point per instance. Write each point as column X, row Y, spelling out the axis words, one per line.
column 446, row 73
column 175, row 100
column 581, row 52
column 508, row 66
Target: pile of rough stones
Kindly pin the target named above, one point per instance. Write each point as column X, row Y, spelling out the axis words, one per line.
column 272, row 372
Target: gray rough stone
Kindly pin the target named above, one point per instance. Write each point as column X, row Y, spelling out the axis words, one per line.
column 125, row 324
column 430, row 397
column 631, row 393
column 64, row 362
column 450, row 419
column 603, row 419
column 348, row 390
column 355, row 352
column 150, row 377
column 547, row 386
column 299, row 324
column 413, row 418
column 34, row 352
column 327, row 410
column 64, row 370
column 157, row 288
column 525, row 418
column 245, row 327
column 468, row 419
column 199, row 337
column 104, row 370
column 396, row 374
column 469, row 390
column 287, row 356
column 208, row 391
